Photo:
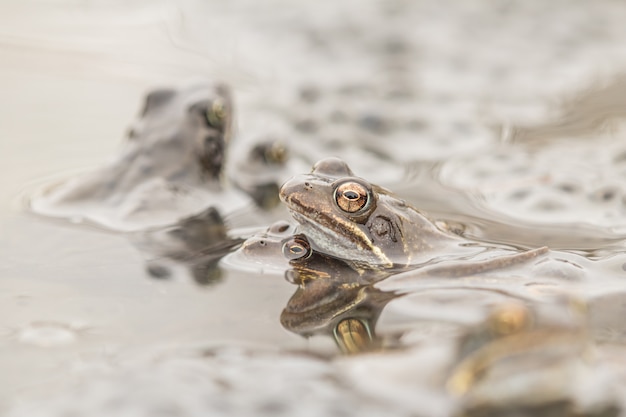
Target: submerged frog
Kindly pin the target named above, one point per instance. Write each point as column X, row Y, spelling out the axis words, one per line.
column 368, row 226
column 518, row 363
column 171, row 165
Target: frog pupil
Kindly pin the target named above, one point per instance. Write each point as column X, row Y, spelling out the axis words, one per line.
column 351, row 195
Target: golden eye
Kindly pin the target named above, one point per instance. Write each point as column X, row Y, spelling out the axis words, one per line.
column 297, row 247
column 216, row 114
column 352, row 196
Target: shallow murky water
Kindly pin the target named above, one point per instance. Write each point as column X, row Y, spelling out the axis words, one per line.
column 503, row 119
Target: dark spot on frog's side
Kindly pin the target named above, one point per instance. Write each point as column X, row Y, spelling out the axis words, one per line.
column 383, row 228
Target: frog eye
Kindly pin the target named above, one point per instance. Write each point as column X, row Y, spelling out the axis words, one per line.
column 216, row 113
column 270, row 153
column 297, row 248
column 352, row 196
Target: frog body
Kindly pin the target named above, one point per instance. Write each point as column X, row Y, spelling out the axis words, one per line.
column 369, row 227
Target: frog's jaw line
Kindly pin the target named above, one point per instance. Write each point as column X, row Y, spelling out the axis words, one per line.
column 329, row 241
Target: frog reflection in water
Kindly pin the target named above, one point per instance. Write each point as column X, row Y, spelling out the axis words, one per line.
column 346, row 217
column 196, row 242
column 333, row 299
column 170, row 166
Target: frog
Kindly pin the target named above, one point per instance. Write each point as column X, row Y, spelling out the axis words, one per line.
column 171, row 165
column 522, row 361
column 369, row 227
column 259, row 170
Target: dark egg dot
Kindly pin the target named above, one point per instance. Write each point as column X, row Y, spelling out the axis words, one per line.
column 567, row 188
column 520, row 194
column 158, row 271
column 306, row 125
column 604, row 194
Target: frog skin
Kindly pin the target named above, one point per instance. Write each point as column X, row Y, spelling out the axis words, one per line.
column 368, row 226
column 170, row 166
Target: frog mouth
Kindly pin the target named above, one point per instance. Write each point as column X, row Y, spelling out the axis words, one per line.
column 351, row 245
column 321, row 235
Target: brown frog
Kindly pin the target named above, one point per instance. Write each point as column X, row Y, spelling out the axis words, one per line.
column 170, row 166
column 522, row 361
column 369, row 227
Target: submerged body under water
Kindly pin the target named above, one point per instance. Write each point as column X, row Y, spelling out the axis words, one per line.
column 488, row 279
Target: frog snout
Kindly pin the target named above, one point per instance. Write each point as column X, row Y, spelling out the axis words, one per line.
column 292, row 188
